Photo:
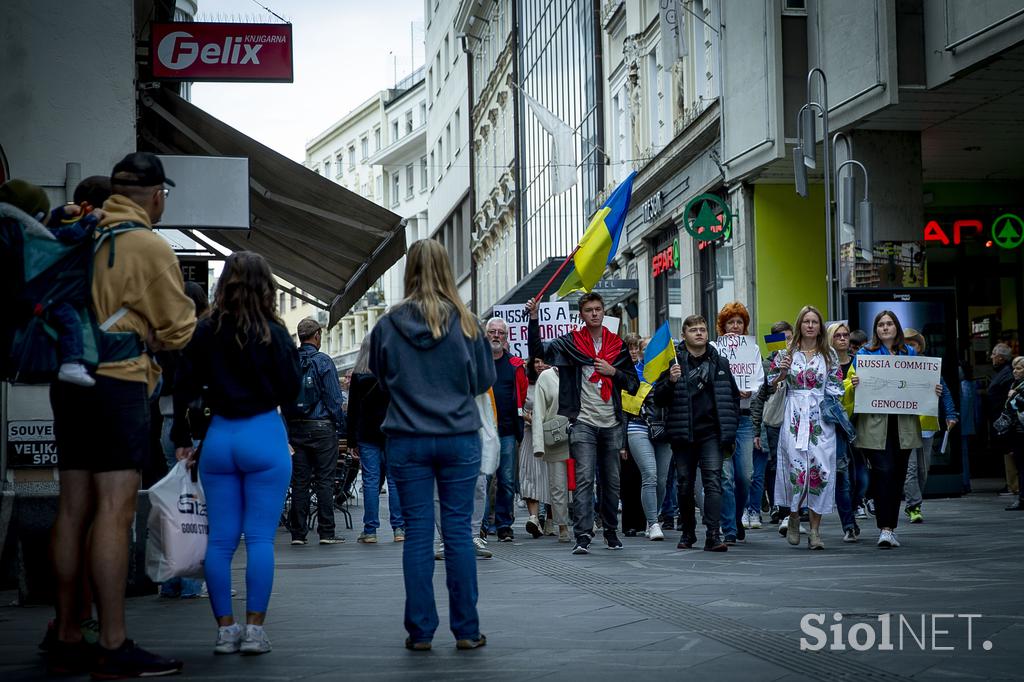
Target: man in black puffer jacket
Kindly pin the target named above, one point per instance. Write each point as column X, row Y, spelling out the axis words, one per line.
column 703, row 404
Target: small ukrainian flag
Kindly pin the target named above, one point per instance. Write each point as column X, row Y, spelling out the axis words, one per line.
column 774, row 342
column 659, row 354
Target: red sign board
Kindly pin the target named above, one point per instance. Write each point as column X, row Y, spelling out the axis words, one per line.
column 934, row 232
column 198, row 51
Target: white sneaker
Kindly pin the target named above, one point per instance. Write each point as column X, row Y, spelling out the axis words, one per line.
column 862, row 513
column 886, row 540
column 75, row 373
column 755, row 521
column 745, row 520
column 655, row 532
column 255, row 641
column 481, row 549
column 893, row 539
column 229, row 639
column 550, row 528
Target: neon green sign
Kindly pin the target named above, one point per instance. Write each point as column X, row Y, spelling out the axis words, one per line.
column 1008, row 231
column 708, row 218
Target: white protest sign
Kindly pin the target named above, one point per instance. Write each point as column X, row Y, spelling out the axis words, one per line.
column 897, row 384
column 554, row 320
column 744, row 359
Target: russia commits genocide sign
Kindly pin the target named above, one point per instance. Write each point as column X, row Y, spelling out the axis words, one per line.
column 197, row 51
column 31, row 444
column 897, row 384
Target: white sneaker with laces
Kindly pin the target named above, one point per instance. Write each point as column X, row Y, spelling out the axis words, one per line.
column 755, row 521
column 862, row 513
column 745, row 520
column 481, row 549
column 229, row 639
column 75, row 373
column 893, row 539
column 655, row 532
column 885, row 539
column 255, row 641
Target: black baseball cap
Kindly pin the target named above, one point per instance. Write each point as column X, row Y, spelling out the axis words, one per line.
column 146, row 167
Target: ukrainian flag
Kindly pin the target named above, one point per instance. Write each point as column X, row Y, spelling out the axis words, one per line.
column 659, row 354
column 774, row 342
column 600, row 241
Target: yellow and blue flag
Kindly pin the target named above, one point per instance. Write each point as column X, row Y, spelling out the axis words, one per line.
column 600, row 241
column 774, row 342
column 659, row 354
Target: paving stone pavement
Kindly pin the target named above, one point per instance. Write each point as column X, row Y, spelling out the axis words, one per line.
column 648, row 612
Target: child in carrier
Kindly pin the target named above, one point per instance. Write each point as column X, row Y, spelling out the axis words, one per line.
column 70, row 345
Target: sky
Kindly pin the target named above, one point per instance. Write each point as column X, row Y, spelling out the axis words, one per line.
column 344, row 50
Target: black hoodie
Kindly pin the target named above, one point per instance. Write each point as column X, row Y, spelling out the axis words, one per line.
column 432, row 382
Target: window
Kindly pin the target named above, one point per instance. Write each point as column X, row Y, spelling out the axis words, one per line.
column 653, row 100
column 423, row 174
column 327, row 168
column 376, row 139
column 409, row 177
column 437, row 70
column 395, row 188
column 294, row 302
column 458, row 133
column 380, row 188
column 364, row 145
column 408, row 122
column 448, row 141
column 339, row 160
column 433, row 167
column 423, row 113
column 281, row 302
column 394, row 131
column 447, row 52
column 351, row 156
column 440, row 158
column 430, row 80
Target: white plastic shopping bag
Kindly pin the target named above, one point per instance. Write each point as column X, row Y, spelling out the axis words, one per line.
column 178, row 527
column 490, row 445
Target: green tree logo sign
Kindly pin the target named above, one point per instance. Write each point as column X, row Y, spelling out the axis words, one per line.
column 1008, row 231
column 708, row 218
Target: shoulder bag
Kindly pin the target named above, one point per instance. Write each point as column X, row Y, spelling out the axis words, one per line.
column 556, row 431
column 775, row 408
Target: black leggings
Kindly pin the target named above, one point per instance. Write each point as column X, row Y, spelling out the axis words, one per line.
column 888, row 472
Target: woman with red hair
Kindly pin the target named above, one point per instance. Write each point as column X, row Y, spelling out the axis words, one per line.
column 734, row 322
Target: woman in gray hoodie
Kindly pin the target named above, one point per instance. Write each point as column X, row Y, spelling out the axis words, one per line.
column 430, row 354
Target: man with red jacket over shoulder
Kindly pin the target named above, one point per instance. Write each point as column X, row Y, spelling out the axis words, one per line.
column 594, row 367
column 509, row 397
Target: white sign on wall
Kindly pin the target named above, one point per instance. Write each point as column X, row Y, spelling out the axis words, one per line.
column 554, row 320
column 897, row 384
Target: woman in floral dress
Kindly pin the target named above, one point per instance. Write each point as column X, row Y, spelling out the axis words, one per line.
column 805, row 476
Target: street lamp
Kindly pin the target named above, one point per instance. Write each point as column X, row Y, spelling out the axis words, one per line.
column 856, row 220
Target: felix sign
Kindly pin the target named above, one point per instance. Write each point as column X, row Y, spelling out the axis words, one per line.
column 198, row 51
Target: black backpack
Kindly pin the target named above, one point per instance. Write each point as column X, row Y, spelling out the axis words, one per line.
column 40, row 272
column 310, row 391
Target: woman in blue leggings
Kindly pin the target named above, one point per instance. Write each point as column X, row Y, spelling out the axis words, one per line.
column 242, row 361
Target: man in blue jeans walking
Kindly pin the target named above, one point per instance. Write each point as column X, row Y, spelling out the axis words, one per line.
column 594, row 368
column 509, row 396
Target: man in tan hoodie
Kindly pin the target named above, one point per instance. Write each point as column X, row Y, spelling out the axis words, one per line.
column 102, row 431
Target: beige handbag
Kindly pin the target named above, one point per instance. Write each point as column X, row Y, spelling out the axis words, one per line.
column 775, row 408
column 556, row 431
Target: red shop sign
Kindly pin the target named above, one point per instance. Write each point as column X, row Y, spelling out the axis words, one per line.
column 198, row 51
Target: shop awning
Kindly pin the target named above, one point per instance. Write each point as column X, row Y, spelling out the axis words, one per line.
column 324, row 239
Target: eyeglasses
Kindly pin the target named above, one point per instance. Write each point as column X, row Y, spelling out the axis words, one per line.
column 165, row 191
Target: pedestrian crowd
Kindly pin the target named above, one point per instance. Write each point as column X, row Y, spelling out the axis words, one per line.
column 443, row 417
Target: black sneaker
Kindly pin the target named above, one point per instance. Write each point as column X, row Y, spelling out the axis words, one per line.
column 506, row 535
column 667, row 523
column 714, row 543
column 730, row 539
column 687, row 541
column 63, row 658
column 129, row 660
column 582, row 545
column 741, row 533
column 612, row 540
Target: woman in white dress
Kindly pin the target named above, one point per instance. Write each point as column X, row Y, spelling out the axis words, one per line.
column 805, row 476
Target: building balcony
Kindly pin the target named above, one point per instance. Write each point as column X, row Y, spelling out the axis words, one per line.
column 403, row 150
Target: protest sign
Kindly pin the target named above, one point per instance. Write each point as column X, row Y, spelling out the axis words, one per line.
column 744, row 359
column 554, row 319
column 897, row 384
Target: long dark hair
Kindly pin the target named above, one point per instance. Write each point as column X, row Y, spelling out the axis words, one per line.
column 898, row 344
column 245, row 293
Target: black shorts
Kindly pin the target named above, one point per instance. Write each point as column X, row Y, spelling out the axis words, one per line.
column 103, row 427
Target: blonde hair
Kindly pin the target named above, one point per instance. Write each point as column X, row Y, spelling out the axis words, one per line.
column 1018, row 361
column 430, row 285
column 822, row 345
column 832, row 329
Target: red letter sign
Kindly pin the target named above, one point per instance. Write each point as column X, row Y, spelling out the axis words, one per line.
column 196, row 51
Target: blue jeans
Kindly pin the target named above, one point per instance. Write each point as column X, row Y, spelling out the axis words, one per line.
column 653, row 460
column 595, row 450
column 452, row 462
column 669, row 505
column 505, row 493
column 706, row 457
column 761, row 457
column 858, row 477
column 736, row 472
column 844, row 498
column 374, row 464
